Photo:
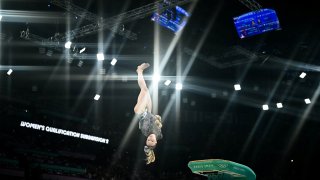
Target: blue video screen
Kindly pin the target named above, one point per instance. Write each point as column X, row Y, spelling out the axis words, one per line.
column 174, row 19
column 256, row 22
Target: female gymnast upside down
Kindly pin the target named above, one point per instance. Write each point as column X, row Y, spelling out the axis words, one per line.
column 149, row 124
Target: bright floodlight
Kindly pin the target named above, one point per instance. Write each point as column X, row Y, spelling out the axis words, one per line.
column 307, row 101
column 302, row 75
column 237, row 87
column 178, row 86
column 0, row 17
column 100, row 56
column 114, row 61
column 167, row 83
column 265, row 107
column 67, row 45
column 279, row 105
column 9, row 72
column 156, row 78
column 82, row 50
column 97, row 97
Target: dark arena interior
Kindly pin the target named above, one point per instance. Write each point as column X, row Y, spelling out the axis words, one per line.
column 68, row 88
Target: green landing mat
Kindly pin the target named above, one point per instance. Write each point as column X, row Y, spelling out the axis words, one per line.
column 219, row 169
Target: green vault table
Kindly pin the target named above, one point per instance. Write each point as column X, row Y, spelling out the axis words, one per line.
column 219, row 169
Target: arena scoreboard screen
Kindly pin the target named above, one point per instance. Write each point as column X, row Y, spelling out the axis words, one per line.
column 256, row 22
column 174, row 18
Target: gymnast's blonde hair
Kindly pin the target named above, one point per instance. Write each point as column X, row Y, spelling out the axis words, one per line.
column 158, row 121
column 150, row 156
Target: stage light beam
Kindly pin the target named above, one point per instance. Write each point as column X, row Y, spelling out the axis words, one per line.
column 237, row 87
column 67, row 45
column 97, row 97
column 178, row 86
column 307, row 101
column 9, row 72
column 82, row 50
column 100, row 57
column 167, row 82
column 265, row 107
column 114, row 61
column 302, row 75
column 156, row 78
column 279, row 105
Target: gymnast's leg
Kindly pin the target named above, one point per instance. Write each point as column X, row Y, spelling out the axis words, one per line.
column 144, row 98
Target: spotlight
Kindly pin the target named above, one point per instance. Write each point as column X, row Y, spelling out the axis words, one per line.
column 237, row 87
column 114, row 61
column 156, row 78
column 80, row 63
column 307, row 101
column 100, row 56
column 265, row 107
column 302, row 75
column 279, row 105
column 67, row 45
column 9, row 72
column 167, row 83
column 178, row 86
column 97, row 97
column 82, row 50
column 49, row 52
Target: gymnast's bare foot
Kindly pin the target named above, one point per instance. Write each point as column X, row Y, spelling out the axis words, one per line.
column 142, row 67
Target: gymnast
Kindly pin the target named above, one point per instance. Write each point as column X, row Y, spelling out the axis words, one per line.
column 149, row 124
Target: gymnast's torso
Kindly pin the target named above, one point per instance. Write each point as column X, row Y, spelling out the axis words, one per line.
column 148, row 126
